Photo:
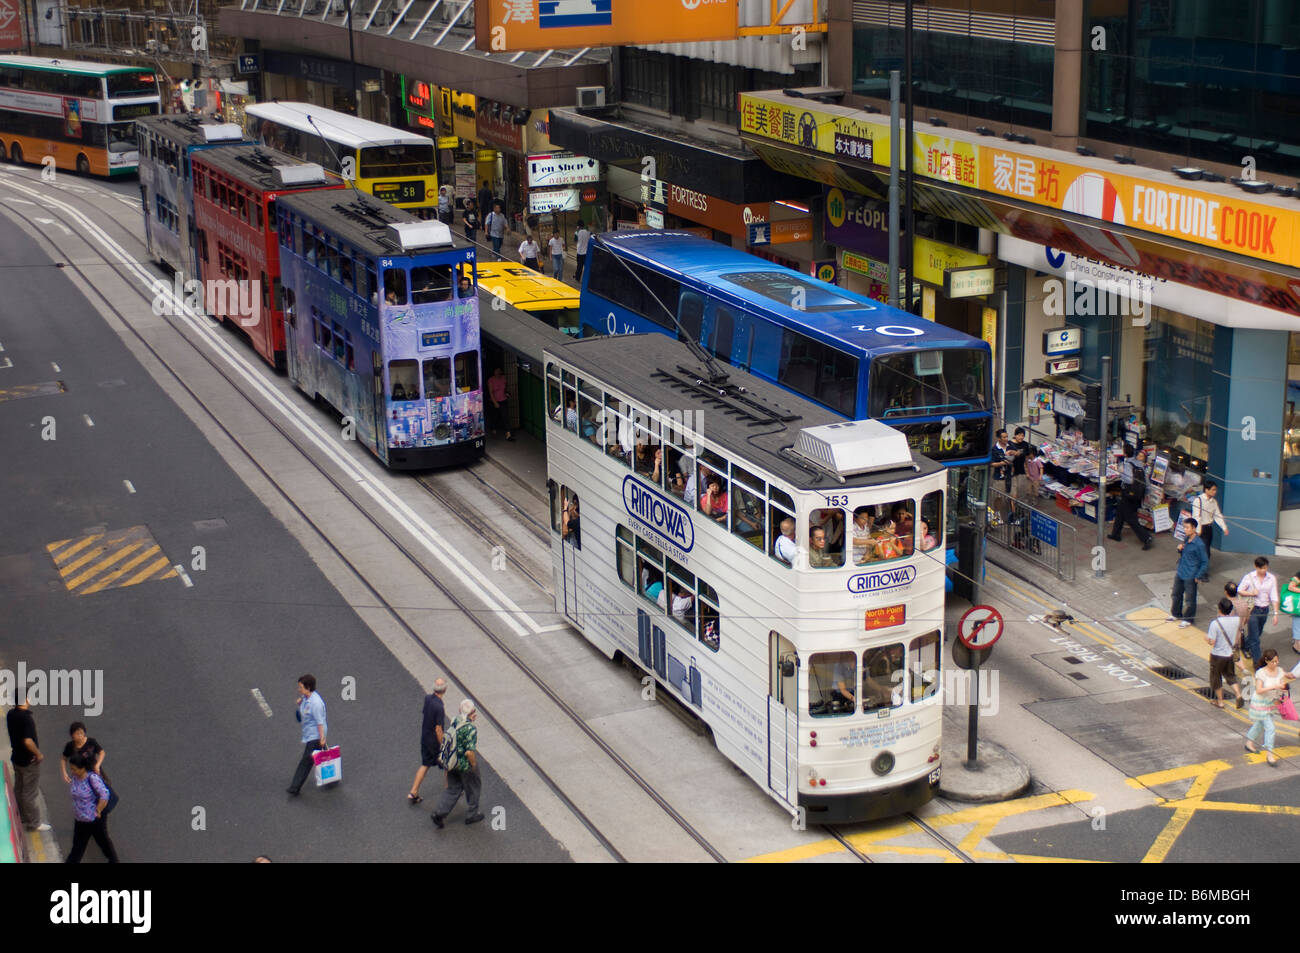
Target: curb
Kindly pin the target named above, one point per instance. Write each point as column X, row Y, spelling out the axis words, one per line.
column 998, row 776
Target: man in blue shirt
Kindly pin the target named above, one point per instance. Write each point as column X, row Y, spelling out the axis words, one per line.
column 1193, row 561
column 311, row 712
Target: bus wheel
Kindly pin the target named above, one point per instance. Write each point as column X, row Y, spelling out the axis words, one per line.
column 16, row 154
column 83, row 165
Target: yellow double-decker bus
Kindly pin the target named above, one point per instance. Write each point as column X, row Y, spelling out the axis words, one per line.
column 544, row 298
column 398, row 167
column 82, row 114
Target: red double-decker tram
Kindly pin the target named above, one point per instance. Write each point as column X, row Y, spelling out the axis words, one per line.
column 235, row 239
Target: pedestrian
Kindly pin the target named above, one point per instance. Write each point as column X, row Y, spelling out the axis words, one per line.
column 1224, row 639
column 556, row 246
column 485, row 198
column 1269, row 682
column 497, row 406
column 1262, row 585
column 528, row 252
column 26, row 757
column 444, row 206
column 1291, row 604
column 432, row 725
column 1130, row 501
column 1191, row 563
column 90, row 797
column 582, row 242
column 1018, row 478
column 495, row 226
column 311, row 712
column 80, row 743
column 1002, row 468
column 1034, row 473
column 464, row 777
column 472, row 223
column 1206, row 512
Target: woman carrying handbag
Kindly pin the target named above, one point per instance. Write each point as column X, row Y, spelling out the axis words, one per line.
column 1270, row 680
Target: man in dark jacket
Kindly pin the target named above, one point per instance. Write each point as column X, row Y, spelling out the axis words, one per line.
column 431, row 729
column 1130, row 501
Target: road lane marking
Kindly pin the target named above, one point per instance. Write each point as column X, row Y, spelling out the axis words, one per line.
column 261, row 702
column 130, row 487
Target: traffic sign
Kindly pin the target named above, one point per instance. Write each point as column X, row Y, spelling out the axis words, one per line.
column 980, row 627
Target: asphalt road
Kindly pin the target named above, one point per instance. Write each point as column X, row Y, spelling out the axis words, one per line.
column 200, row 768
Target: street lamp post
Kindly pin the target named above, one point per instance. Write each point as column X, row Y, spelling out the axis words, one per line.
column 910, row 229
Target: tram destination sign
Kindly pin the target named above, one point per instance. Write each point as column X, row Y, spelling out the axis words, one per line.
column 885, row 616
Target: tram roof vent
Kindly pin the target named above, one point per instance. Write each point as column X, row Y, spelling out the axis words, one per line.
column 306, row 173
column 411, row 235
column 854, row 447
column 221, row 132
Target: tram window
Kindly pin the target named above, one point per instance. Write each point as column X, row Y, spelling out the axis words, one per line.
column 882, row 677
column 555, row 402
column 466, row 372
column 395, row 286
column 747, row 516
column 345, row 272
column 832, row 684
column 257, row 215
column 465, row 281
column 923, row 662
column 826, row 538
column 754, row 483
column 350, row 357
column 338, row 342
column 372, row 284
column 713, row 495
column 690, row 315
column 403, row 376
column 309, row 244
column 431, row 283
column 784, row 546
column 570, row 520
column 552, row 491
column 651, row 579
column 626, row 561
column 437, row 378
column 709, row 620
column 589, row 414
column 882, row 531
column 648, row 456
column 681, row 605
column 290, row 306
column 780, row 498
column 325, row 339
column 929, row 531
column 566, row 410
column 332, row 256
column 296, row 238
column 618, row 431
column 680, row 463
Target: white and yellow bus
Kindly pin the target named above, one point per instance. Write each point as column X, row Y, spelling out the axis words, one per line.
column 398, row 167
column 82, row 114
column 541, row 296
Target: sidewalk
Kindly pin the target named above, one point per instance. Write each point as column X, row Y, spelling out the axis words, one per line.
column 1135, row 591
column 42, row 847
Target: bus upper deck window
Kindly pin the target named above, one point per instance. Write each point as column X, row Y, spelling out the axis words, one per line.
column 403, row 376
column 395, row 286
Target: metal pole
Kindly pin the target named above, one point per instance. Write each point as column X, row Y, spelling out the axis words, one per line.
column 352, row 58
column 895, row 147
column 972, row 727
column 1103, row 431
column 910, row 230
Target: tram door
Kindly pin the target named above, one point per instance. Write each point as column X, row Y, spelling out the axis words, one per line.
column 569, row 569
column 377, row 392
column 782, row 718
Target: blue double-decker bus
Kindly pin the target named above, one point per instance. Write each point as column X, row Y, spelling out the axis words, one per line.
column 382, row 323
column 854, row 356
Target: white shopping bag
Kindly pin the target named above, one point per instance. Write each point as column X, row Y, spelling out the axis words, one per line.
column 329, row 766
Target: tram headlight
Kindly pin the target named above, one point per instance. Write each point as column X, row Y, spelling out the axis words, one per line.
column 883, row 763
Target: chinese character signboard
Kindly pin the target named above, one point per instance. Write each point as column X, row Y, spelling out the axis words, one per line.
column 502, row 25
column 561, row 168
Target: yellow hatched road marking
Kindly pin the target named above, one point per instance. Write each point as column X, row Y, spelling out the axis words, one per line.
column 103, row 564
column 1202, row 776
column 146, row 573
column 68, row 570
column 69, row 553
column 122, row 570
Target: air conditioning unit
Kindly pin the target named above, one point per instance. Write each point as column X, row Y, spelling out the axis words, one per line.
column 591, row 97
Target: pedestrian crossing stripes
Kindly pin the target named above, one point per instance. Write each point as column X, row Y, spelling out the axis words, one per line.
column 110, row 560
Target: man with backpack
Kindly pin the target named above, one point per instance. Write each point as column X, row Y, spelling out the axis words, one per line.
column 462, row 772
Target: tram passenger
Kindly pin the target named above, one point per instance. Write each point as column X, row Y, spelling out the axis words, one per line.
column 786, row 549
column 571, row 525
column 818, row 555
column 466, row 287
column 570, row 413
column 928, row 542
column 844, row 680
column 682, row 604
column 861, row 535
column 713, row 502
column 885, row 540
column 652, row 585
column 904, row 527
column 399, row 392
column 643, row 459
column 833, row 523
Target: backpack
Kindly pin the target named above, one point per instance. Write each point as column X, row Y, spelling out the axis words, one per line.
column 447, row 755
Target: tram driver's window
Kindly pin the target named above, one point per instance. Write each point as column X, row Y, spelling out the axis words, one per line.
column 832, row 684
column 882, row 677
column 882, row 531
column 923, row 664
column 466, row 372
column 437, row 377
column 395, row 286
column 826, row 538
column 431, row 283
column 403, row 378
column 465, row 281
column 929, row 529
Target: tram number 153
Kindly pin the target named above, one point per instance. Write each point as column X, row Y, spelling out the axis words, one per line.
column 836, row 500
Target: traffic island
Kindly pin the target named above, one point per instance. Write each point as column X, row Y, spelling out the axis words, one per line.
column 998, row 775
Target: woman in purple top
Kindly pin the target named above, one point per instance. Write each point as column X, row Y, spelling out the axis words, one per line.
column 89, row 798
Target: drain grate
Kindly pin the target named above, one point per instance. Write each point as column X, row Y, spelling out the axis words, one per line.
column 1079, row 676
column 1171, row 672
column 1205, row 691
column 1072, row 660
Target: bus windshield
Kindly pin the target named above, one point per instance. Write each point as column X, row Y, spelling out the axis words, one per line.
column 929, row 382
column 121, row 137
column 378, row 162
column 142, row 83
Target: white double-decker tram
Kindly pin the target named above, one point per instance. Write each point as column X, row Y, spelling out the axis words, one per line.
column 776, row 568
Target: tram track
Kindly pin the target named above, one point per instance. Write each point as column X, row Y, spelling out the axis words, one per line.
column 67, row 219
column 950, row 846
